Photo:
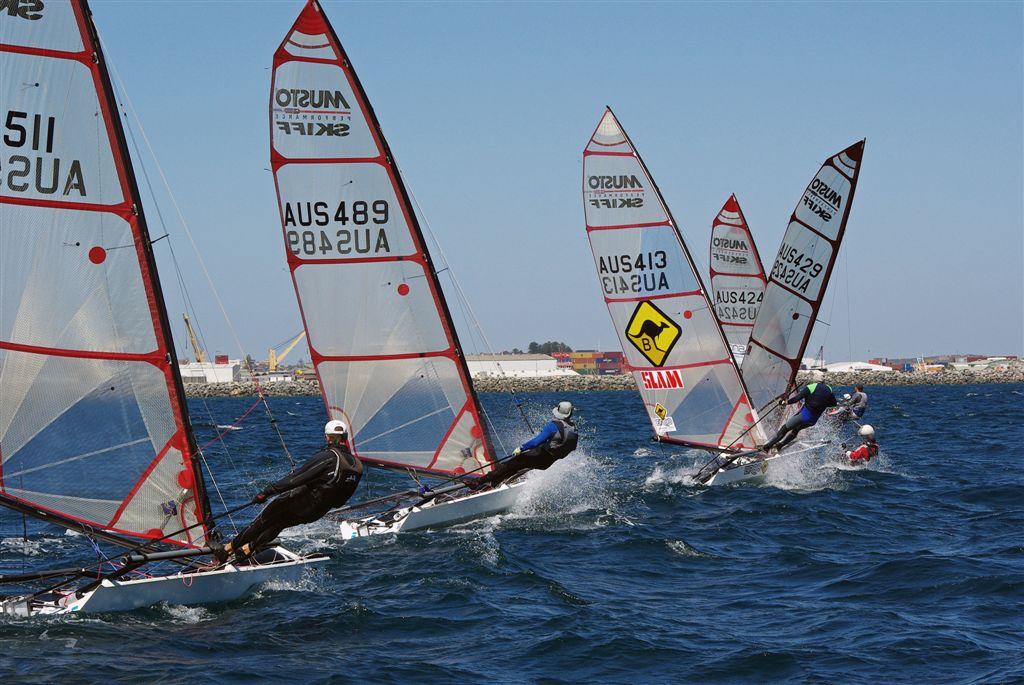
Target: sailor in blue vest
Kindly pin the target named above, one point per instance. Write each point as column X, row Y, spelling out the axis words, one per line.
column 555, row 440
column 817, row 397
column 324, row 482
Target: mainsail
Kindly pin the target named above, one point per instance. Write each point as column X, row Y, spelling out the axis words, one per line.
column 673, row 343
column 93, row 423
column 379, row 331
column 737, row 277
column 799, row 276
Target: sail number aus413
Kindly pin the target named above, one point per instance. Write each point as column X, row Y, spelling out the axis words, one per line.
column 366, row 236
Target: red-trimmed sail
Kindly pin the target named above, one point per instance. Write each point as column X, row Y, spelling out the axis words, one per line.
column 737, row 277
column 673, row 342
column 799, row 276
column 93, row 428
column 379, row 331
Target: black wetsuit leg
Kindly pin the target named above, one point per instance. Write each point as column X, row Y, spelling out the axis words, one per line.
column 537, row 458
column 788, row 432
column 302, row 505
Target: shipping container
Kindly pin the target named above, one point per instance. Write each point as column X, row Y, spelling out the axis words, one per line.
column 220, row 359
column 609, row 372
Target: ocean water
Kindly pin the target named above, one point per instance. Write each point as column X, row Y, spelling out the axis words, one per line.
column 614, row 569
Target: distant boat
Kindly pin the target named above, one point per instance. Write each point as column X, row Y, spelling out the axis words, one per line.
column 737, row 276
column 94, row 428
column 380, row 334
column 674, row 345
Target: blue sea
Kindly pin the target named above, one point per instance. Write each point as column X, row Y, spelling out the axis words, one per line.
column 615, row 568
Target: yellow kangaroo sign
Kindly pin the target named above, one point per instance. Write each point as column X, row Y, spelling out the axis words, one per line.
column 652, row 332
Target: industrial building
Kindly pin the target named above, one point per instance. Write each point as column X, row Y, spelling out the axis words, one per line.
column 515, row 366
column 220, row 370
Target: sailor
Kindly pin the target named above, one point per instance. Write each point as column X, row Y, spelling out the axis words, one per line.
column 868, row 448
column 858, row 403
column 324, row 482
column 555, row 441
column 817, row 397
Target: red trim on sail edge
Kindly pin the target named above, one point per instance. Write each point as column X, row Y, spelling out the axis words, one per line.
column 85, row 57
column 122, row 209
column 602, row 153
column 639, row 369
column 741, row 325
column 786, row 287
column 398, row 465
column 447, row 434
column 138, row 483
column 318, row 358
column 278, row 160
column 295, row 261
column 759, row 277
column 155, row 358
column 728, row 422
column 628, row 226
column 688, row 293
column 688, row 443
column 790, row 362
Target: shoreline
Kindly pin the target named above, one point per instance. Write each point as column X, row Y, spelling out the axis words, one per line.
column 623, row 383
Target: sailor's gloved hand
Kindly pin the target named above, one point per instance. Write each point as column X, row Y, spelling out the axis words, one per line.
column 517, row 452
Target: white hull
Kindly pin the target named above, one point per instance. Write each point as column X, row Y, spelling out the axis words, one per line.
column 224, row 584
column 436, row 513
column 755, row 468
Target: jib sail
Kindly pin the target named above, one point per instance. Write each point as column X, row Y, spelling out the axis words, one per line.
column 737, row 277
column 93, row 425
column 673, row 343
column 379, row 331
column 799, row 276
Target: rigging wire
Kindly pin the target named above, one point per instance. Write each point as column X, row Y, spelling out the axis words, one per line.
column 199, row 258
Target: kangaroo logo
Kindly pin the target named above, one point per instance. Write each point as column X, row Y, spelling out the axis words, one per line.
column 652, row 333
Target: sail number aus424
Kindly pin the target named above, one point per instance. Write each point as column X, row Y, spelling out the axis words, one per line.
column 366, row 236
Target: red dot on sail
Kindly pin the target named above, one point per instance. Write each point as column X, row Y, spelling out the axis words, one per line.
column 154, row 533
column 97, row 255
column 403, row 290
column 749, row 417
column 459, row 471
column 475, row 432
column 186, row 480
column 687, row 314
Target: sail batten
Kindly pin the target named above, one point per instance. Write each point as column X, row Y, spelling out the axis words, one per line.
column 674, row 345
column 378, row 328
column 798, row 280
column 93, row 422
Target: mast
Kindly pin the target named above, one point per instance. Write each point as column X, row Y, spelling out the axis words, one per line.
column 413, row 354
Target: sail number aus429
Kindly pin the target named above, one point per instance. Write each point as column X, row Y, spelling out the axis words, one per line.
column 795, row 269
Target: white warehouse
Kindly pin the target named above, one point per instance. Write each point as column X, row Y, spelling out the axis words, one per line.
column 514, row 366
column 208, row 372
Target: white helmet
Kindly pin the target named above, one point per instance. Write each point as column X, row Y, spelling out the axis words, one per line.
column 846, row 395
column 866, row 431
column 562, row 411
column 336, row 427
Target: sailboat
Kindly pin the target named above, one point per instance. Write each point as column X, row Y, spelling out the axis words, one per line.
column 792, row 299
column 379, row 331
column 674, row 345
column 94, row 428
column 737, row 277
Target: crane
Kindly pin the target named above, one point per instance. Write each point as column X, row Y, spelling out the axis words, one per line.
column 200, row 355
column 274, row 358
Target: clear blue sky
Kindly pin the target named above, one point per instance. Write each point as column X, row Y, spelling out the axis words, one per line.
column 488, row 107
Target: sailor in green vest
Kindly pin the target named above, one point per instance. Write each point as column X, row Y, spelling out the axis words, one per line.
column 555, row 440
column 817, row 397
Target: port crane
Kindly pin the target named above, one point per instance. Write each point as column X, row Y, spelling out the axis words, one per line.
column 200, row 355
column 274, row 357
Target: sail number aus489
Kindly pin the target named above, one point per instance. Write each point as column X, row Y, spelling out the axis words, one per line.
column 372, row 239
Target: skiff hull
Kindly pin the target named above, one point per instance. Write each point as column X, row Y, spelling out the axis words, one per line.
column 187, row 588
column 755, row 469
column 435, row 514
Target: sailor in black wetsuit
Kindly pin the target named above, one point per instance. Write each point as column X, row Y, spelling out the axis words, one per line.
column 554, row 441
column 817, row 397
column 323, row 483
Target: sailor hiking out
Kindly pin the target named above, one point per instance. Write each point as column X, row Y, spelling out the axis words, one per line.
column 817, row 397
column 556, row 440
column 324, row 482
column 857, row 404
column 868, row 448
